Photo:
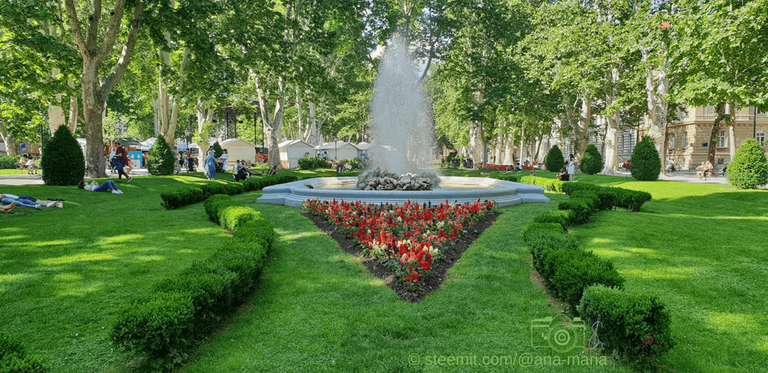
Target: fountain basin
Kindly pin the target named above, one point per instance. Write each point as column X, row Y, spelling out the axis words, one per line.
column 452, row 188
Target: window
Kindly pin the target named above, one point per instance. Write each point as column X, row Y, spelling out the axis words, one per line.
column 721, row 137
column 709, row 110
column 685, row 141
column 760, row 138
column 671, row 141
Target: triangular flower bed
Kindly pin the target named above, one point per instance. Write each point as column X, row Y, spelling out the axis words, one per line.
column 411, row 246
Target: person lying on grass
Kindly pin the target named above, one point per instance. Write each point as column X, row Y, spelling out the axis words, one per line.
column 26, row 201
column 7, row 208
column 95, row 187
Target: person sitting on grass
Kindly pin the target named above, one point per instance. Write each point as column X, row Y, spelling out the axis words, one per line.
column 31, row 166
column 241, row 172
column 108, row 185
column 273, row 171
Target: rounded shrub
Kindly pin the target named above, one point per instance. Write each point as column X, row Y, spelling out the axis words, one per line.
column 63, row 162
column 554, row 160
column 160, row 160
column 749, row 168
column 591, row 160
column 645, row 164
column 217, row 150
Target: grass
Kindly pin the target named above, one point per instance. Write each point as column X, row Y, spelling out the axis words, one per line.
column 64, row 273
column 13, row 172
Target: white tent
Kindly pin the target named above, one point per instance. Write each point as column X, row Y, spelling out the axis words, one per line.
column 338, row 150
column 239, row 149
column 363, row 147
column 148, row 144
column 292, row 150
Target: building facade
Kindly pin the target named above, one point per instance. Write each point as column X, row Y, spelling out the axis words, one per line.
column 688, row 138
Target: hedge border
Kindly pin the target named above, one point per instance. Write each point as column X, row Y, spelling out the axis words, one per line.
column 181, row 310
column 572, row 274
column 190, row 195
column 14, row 357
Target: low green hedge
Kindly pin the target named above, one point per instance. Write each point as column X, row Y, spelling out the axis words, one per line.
column 550, row 185
column 504, row 176
column 14, row 358
column 311, row 163
column 582, row 209
column 545, row 238
column 632, row 200
column 187, row 196
column 569, row 272
column 636, row 326
column 562, row 217
column 182, row 309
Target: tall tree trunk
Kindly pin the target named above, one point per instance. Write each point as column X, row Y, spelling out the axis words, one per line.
column 10, row 143
column 582, row 130
column 93, row 110
column 719, row 116
column 522, row 139
column 73, row 110
column 298, row 113
column 274, row 125
column 475, row 142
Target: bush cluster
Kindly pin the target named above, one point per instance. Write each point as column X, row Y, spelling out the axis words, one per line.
column 9, row 162
column 591, row 286
column 160, row 160
column 14, row 357
column 749, row 168
column 187, row 196
column 182, row 309
column 645, row 164
column 312, row 163
column 62, row 162
column 635, row 325
column 554, row 160
column 550, row 185
column 591, row 160
column 217, row 150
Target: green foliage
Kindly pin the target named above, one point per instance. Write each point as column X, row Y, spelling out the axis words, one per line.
column 645, row 164
column 749, row 168
column 582, row 209
column 631, row 199
column 14, row 358
column 550, row 185
column 554, row 160
column 9, row 162
column 312, row 163
column 217, row 150
column 545, row 238
column 160, row 160
column 187, row 196
column 62, row 162
column 504, row 176
column 634, row 325
column 562, row 217
column 591, row 160
column 182, row 309
column 570, row 272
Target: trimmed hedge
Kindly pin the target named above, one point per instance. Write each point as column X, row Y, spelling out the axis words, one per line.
column 582, row 209
column 160, row 160
column 634, row 325
column 312, row 163
column 554, row 161
column 184, row 308
column 749, row 168
column 504, row 176
column 62, row 162
column 187, row 196
column 545, row 238
column 551, row 185
column 608, row 198
column 591, row 160
column 645, row 164
column 14, row 357
column 570, row 272
column 562, row 217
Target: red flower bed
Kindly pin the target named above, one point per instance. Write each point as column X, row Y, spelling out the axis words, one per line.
column 499, row 166
column 407, row 238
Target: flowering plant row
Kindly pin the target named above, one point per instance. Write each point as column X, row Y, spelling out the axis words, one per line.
column 408, row 238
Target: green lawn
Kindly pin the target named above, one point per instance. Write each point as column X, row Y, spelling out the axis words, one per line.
column 64, row 273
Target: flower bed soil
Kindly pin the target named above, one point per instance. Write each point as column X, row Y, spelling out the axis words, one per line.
column 439, row 267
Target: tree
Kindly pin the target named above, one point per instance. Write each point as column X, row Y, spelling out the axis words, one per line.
column 749, row 168
column 95, row 47
column 62, row 162
column 645, row 164
column 554, row 160
column 160, row 160
column 591, row 161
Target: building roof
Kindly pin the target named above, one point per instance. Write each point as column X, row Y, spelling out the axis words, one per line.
column 363, row 146
column 292, row 143
column 236, row 141
column 332, row 145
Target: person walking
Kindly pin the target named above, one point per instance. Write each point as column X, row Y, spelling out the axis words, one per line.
column 209, row 164
column 122, row 156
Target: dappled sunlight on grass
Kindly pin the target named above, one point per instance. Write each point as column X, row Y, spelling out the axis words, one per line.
column 666, row 273
column 119, row 239
column 296, row 236
column 150, row 258
column 76, row 258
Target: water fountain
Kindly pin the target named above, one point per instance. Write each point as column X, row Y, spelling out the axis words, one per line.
column 404, row 142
